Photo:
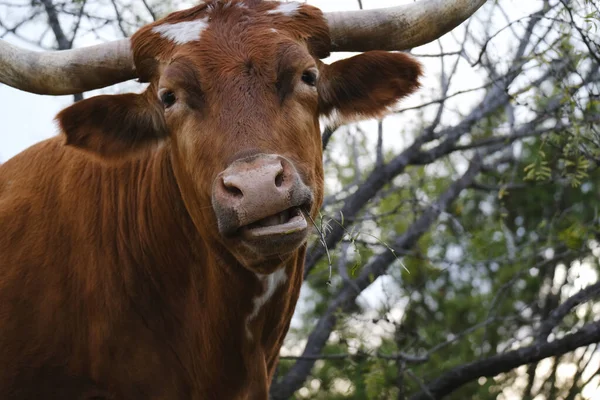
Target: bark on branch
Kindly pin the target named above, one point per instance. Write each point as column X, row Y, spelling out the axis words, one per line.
column 492, row 366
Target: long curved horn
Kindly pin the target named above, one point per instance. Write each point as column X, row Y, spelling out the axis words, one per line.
column 397, row 28
column 67, row 71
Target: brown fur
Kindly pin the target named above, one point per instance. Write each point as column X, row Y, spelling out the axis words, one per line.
column 114, row 280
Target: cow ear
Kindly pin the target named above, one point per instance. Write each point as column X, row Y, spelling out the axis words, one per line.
column 366, row 85
column 113, row 126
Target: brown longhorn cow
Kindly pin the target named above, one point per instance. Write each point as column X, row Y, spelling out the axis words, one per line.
column 154, row 249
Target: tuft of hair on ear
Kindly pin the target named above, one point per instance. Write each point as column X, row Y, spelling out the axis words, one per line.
column 366, row 85
column 113, row 126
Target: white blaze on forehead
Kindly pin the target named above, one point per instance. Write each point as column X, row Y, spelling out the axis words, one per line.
column 270, row 284
column 288, row 9
column 182, row 32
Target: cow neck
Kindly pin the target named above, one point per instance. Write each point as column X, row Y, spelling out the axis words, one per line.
column 157, row 242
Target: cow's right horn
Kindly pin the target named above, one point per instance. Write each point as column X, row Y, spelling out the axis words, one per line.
column 66, row 71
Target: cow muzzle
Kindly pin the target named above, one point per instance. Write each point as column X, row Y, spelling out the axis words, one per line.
column 262, row 200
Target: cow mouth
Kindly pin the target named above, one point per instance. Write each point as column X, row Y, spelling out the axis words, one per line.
column 286, row 222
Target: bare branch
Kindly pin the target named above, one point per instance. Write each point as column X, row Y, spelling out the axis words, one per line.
column 557, row 315
column 492, row 366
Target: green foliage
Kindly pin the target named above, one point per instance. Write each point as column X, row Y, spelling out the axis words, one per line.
column 539, row 169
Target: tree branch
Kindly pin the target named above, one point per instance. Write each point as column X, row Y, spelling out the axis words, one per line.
column 492, row 366
column 346, row 296
column 557, row 315
column 61, row 39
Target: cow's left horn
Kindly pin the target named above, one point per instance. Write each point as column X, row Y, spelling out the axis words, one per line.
column 67, row 71
column 397, row 28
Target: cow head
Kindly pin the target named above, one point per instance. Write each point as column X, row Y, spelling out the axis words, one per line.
column 236, row 92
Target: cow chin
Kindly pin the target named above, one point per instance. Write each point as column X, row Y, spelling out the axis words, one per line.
column 266, row 254
column 272, row 239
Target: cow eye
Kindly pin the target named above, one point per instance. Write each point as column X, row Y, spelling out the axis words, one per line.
column 310, row 77
column 167, row 98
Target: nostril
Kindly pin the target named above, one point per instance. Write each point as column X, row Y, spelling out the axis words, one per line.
column 279, row 179
column 232, row 189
